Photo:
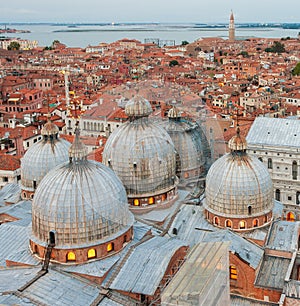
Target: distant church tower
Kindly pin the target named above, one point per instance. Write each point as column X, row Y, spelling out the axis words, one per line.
column 231, row 28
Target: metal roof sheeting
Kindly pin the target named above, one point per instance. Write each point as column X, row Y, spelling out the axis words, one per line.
column 283, row 236
column 10, row 193
column 249, row 252
column 12, row 239
column 274, row 132
column 144, row 269
column 55, row 288
column 273, row 272
column 14, row 278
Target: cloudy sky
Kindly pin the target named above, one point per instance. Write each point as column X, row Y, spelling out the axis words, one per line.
column 148, row 10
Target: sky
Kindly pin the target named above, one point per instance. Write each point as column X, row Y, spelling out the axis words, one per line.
column 199, row 11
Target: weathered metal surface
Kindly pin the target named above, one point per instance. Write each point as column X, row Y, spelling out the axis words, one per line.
column 40, row 158
column 235, row 182
column 83, row 202
column 274, row 132
column 145, row 267
column 142, row 154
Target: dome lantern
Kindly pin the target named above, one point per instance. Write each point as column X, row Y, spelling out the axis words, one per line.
column 237, row 144
column 78, row 151
column 138, row 107
column 49, row 130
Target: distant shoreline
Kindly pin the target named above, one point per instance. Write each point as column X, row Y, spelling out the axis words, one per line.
column 76, row 30
column 216, row 25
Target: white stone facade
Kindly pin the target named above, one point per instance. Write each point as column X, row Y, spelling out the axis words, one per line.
column 277, row 143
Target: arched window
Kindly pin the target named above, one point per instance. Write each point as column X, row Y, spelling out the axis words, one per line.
column 110, row 247
column 249, row 210
column 71, row 256
column 228, row 223
column 91, row 253
column 270, row 163
column 216, row 220
column 233, row 272
column 36, row 251
column 255, row 223
column 298, row 197
column 136, row 202
column 294, row 170
column 290, row 217
column 151, row 200
column 242, row 224
column 277, row 194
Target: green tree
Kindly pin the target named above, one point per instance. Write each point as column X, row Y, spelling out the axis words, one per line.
column 54, row 43
column 277, row 47
column 14, row 45
column 244, row 53
column 184, row 43
column 173, row 63
column 296, row 69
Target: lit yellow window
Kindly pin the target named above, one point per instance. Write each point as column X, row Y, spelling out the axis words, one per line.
column 186, row 175
column 255, row 223
column 110, row 247
column 290, row 217
column 91, row 253
column 136, row 202
column 228, row 223
column 242, row 224
column 151, row 200
column 233, row 272
column 71, row 256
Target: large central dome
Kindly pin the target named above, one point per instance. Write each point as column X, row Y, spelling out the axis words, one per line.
column 84, row 202
column 142, row 154
column 239, row 191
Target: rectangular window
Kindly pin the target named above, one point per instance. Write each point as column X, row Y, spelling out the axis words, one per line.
column 233, row 272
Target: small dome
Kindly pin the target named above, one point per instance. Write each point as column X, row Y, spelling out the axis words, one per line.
column 138, row 107
column 239, row 186
column 190, row 163
column 40, row 158
column 84, row 202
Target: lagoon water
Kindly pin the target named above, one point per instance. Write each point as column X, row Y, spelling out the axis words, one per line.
column 84, row 35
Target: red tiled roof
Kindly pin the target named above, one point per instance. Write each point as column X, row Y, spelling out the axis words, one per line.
column 9, row 162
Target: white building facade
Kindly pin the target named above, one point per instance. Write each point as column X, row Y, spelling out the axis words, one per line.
column 276, row 142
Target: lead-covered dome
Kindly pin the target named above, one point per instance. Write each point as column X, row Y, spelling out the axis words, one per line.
column 190, row 161
column 85, row 204
column 239, row 191
column 142, row 154
column 42, row 157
